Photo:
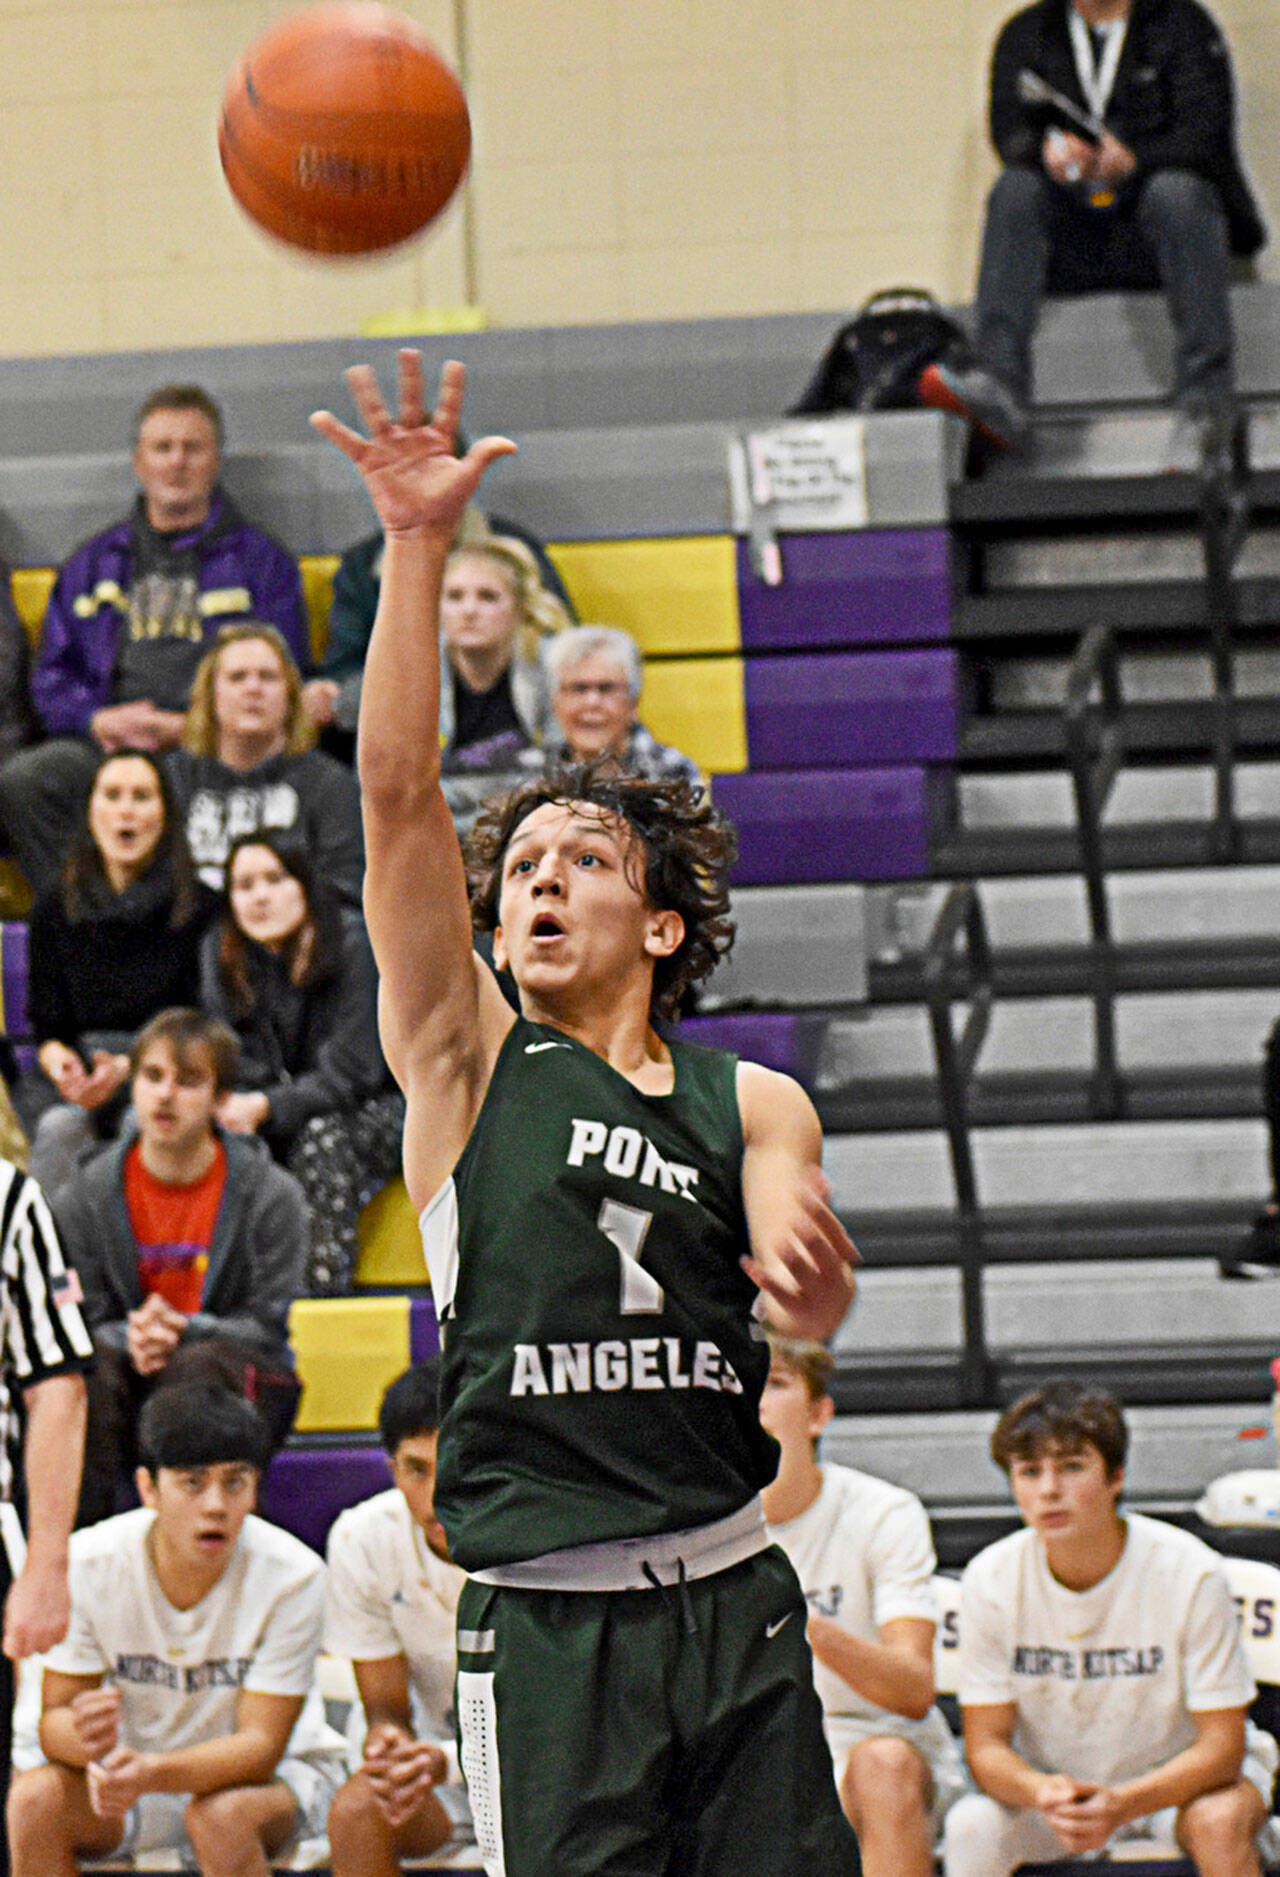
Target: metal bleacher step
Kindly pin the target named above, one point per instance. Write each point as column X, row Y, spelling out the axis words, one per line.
column 1057, row 1165
column 1181, row 1053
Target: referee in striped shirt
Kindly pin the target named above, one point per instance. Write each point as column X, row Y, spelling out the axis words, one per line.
column 44, row 1351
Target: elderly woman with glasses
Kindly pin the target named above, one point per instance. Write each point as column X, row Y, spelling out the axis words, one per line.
column 596, row 674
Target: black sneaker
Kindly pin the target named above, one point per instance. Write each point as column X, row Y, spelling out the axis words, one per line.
column 973, row 392
column 1259, row 1256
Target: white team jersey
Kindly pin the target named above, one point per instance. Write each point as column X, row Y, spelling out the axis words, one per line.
column 389, row 1594
column 180, row 1672
column 863, row 1554
column 1105, row 1681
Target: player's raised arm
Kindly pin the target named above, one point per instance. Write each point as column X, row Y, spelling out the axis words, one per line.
column 801, row 1256
column 441, row 1020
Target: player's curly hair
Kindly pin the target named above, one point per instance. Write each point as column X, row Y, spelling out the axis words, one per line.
column 686, row 844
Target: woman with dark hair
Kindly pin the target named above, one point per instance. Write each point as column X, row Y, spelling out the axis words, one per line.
column 293, row 975
column 114, row 942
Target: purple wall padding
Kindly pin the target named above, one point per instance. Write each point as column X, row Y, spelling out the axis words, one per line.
column 864, row 588
column 305, row 1488
column 829, row 710
column 827, row 824
column 13, row 977
column 778, row 1039
column 424, row 1331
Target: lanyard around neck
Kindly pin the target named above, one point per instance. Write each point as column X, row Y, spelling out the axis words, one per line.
column 1097, row 77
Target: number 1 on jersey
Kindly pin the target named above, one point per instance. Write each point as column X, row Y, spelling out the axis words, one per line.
column 626, row 1227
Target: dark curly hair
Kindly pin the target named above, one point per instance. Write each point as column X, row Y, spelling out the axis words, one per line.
column 1063, row 1415
column 687, row 848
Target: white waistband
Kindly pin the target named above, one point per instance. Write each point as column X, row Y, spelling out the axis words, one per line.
column 633, row 1563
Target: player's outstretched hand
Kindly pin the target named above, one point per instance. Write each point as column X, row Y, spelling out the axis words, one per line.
column 415, row 481
column 805, row 1273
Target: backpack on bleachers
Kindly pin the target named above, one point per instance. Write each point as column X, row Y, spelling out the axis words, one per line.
column 875, row 361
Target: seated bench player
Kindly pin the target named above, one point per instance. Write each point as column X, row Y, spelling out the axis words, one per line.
column 862, row 1551
column 391, row 1605
column 1102, row 1680
column 180, row 1711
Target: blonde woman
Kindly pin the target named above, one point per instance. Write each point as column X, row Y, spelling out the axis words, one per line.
column 248, row 761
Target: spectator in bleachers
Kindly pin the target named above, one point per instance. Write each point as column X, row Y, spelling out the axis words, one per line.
column 190, row 1246
column 356, row 587
column 180, row 1712
column 596, row 677
column 130, row 616
column 391, row 1608
column 862, row 1551
column 247, row 762
column 1102, row 1680
column 1160, row 200
column 116, row 940
column 293, row 976
column 17, row 719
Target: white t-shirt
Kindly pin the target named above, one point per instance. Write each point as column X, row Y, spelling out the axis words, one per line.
column 863, row 1554
column 180, row 1672
column 1105, row 1681
column 389, row 1594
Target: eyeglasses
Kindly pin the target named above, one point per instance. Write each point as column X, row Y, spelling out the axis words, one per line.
column 582, row 687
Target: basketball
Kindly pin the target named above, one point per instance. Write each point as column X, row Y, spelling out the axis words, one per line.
column 343, row 131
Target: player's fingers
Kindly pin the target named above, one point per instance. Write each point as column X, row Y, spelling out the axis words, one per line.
column 488, row 450
column 366, row 394
column 412, row 401
column 350, row 442
column 449, row 395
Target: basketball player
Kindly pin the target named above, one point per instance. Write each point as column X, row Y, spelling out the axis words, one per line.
column 600, row 1210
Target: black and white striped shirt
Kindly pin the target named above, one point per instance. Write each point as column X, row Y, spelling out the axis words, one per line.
column 42, row 1333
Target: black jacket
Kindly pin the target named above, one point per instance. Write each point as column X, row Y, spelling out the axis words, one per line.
column 1173, row 102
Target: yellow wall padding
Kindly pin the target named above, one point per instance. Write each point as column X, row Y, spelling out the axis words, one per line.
column 349, row 1351
column 697, row 704
column 389, row 1240
column 31, row 589
column 317, row 572
column 678, row 595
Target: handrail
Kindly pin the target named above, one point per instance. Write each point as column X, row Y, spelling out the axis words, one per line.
column 961, row 917
column 1096, row 749
column 1224, row 523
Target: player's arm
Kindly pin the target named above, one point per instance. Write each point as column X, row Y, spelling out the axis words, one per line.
column 38, row 1606
column 895, row 1672
column 248, row 1756
column 442, row 1017
column 1212, row 1761
column 801, row 1256
column 79, row 1718
column 384, row 1693
column 402, row 1770
column 1001, row 1772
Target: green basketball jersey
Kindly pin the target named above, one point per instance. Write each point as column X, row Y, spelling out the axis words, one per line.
column 602, row 1365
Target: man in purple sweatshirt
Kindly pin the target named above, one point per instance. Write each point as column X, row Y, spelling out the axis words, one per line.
column 133, row 611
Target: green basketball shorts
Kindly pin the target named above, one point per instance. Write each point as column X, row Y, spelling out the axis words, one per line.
column 671, row 1732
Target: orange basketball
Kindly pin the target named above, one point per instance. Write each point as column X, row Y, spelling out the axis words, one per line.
column 343, row 131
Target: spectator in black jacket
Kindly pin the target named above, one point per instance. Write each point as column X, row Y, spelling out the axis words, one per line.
column 1158, row 200
column 115, row 941
column 247, row 761
column 294, row 977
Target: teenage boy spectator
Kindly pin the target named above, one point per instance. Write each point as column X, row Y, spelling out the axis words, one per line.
column 44, row 1350
column 180, row 1711
column 1102, row 1680
column 392, row 1601
column 1160, row 201
column 131, row 613
column 862, row 1551
column 190, row 1244
column 596, row 675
